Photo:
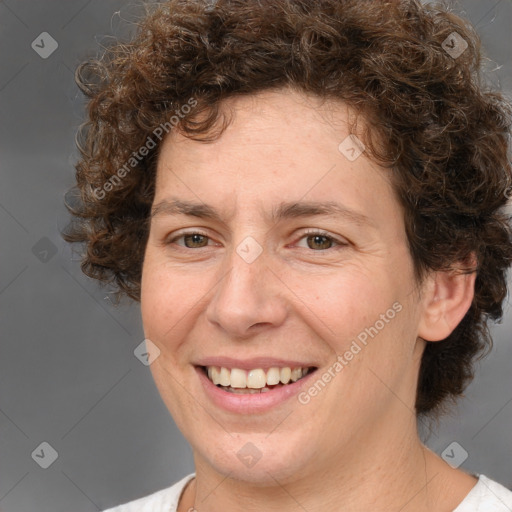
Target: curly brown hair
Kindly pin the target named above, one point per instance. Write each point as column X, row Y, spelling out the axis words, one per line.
column 443, row 134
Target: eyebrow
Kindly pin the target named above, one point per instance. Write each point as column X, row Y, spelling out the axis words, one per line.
column 284, row 210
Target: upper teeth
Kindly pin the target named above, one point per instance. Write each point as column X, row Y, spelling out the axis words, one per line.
column 255, row 379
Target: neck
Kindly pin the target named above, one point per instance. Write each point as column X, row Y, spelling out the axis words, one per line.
column 380, row 473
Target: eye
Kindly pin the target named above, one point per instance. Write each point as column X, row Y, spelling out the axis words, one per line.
column 321, row 240
column 191, row 239
column 316, row 240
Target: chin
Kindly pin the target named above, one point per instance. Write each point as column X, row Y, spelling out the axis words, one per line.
column 258, row 459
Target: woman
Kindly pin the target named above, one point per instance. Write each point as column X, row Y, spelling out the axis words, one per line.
column 306, row 198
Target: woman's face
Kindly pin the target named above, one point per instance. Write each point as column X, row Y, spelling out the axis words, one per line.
column 274, row 248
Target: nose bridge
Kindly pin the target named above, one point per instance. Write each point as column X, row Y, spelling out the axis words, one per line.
column 247, row 293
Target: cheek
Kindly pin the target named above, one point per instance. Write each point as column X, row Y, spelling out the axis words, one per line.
column 166, row 303
column 166, row 297
column 343, row 303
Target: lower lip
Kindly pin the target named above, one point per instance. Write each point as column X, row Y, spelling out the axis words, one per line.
column 251, row 402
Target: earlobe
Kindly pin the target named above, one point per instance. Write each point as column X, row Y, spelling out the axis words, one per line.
column 447, row 298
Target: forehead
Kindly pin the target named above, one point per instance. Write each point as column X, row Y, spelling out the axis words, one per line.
column 278, row 145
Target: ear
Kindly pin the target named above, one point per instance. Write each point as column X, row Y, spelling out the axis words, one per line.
column 447, row 296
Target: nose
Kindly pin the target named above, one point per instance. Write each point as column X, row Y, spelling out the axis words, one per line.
column 249, row 298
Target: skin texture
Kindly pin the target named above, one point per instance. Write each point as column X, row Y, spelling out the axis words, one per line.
column 355, row 444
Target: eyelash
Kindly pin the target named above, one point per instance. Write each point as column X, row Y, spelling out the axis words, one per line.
column 306, row 234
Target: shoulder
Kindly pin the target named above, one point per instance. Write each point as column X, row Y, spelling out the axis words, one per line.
column 487, row 496
column 165, row 500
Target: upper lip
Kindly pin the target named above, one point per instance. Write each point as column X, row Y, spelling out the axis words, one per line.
column 253, row 363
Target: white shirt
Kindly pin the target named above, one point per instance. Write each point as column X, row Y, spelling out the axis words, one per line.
column 486, row 496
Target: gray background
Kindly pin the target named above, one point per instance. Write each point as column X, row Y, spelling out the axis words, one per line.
column 68, row 375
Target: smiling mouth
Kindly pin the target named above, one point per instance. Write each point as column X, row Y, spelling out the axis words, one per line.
column 236, row 380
